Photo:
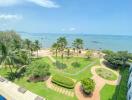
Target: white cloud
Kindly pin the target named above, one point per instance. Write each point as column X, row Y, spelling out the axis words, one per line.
column 6, row 17
column 72, row 29
column 4, row 3
column 68, row 29
column 45, row 3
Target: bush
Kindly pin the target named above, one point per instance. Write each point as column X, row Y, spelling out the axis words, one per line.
column 88, row 85
column 38, row 69
column 63, row 81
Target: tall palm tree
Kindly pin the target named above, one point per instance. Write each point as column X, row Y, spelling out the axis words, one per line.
column 55, row 47
column 27, row 43
column 78, row 44
column 7, row 56
column 62, row 43
column 37, row 46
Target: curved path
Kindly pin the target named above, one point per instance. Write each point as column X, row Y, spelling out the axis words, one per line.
column 100, row 82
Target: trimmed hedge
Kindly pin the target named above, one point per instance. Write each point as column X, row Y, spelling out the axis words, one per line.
column 63, row 81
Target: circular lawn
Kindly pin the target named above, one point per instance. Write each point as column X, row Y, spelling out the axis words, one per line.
column 106, row 74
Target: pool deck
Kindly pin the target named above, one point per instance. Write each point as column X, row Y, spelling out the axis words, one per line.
column 10, row 91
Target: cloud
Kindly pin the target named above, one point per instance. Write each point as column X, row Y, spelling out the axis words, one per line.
column 6, row 17
column 4, row 3
column 72, row 29
column 45, row 3
column 68, row 29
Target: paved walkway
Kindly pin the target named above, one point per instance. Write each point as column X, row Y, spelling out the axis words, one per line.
column 59, row 89
column 10, row 91
column 100, row 82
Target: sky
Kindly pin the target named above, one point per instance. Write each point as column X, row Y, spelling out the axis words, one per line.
column 67, row 16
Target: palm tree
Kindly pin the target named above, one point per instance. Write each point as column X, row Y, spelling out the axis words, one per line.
column 27, row 43
column 7, row 56
column 68, row 52
column 37, row 46
column 29, row 47
column 62, row 43
column 16, row 44
column 78, row 44
column 55, row 47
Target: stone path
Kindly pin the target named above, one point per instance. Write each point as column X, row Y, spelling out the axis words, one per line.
column 100, row 82
column 59, row 89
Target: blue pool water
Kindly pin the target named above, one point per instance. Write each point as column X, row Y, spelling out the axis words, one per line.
column 2, row 98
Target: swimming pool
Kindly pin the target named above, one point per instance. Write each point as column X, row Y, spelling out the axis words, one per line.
column 2, row 98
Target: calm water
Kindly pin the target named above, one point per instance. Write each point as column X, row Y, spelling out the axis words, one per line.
column 115, row 43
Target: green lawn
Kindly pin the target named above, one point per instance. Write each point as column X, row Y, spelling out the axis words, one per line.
column 106, row 74
column 77, row 73
column 74, row 64
column 107, row 92
column 119, row 92
column 82, row 71
column 38, row 88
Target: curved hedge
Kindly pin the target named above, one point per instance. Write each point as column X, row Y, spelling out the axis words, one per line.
column 63, row 81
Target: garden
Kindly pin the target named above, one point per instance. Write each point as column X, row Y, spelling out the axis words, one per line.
column 19, row 65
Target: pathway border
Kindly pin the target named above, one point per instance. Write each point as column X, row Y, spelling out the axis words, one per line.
column 100, row 82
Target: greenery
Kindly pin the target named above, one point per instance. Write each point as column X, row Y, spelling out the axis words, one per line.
column 121, row 89
column 107, row 92
column 14, row 52
column 88, row 85
column 72, row 65
column 106, row 74
column 39, row 88
column 63, row 81
column 88, row 54
column 118, row 58
column 38, row 68
column 78, row 44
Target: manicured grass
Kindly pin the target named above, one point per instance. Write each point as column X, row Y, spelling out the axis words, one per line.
column 39, row 88
column 121, row 90
column 63, row 81
column 73, row 64
column 79, row 73
column 82, row 71
column 106, row 74
column 107, row 92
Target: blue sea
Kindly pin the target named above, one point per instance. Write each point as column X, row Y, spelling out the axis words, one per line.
column 112, row 42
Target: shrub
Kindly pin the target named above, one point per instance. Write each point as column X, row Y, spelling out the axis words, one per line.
column 38, row 69
column 63, row 81
column 88, row 85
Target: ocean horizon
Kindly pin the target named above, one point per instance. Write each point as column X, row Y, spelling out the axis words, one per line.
column 91, row 41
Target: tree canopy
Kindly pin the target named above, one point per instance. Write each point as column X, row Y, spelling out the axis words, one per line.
column 117, row 59
column 38, row 68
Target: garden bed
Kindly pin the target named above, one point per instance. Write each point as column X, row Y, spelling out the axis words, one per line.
column 106, row 74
